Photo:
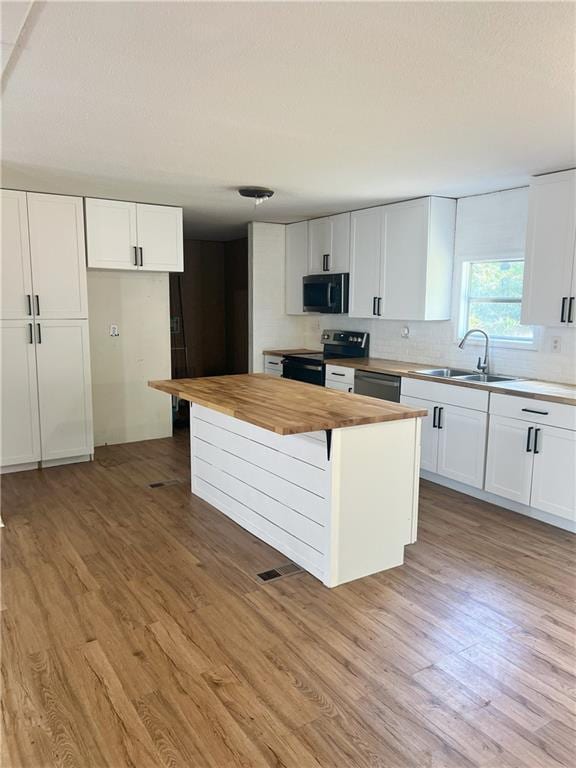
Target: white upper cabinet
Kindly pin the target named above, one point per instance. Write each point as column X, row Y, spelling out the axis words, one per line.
column 58, row 255
column 329, row 244
column 111, row 239
column 550, row 274
column 401, row 260
column 296, row 265
column 160, row 238
column 134, row 236
column 418, row 253
column 16, row 274
column 365, row 257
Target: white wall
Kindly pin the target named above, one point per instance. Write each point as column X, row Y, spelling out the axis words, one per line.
column 270, row 327
column 487, row 226
column 125, row 408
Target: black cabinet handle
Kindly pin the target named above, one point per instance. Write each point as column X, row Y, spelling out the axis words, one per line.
column 135, row 255
column 30, row 334
column 39, row 333
column 563, row 310
column 528, row 438
column 326, row 262
column 374, row 300
column 349, row 389
column 530, row 410
column 434, row 415
column 379, row 312
column 333, row 373
column 37, row 303
column 29, row 303
column 440, row 412
column 536, row 433
column 141, row 256
column 570, row 308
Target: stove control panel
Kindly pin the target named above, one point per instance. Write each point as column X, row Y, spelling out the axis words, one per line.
column 347, row 338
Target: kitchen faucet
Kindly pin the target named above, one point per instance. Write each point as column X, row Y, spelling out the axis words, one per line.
column 482, row 365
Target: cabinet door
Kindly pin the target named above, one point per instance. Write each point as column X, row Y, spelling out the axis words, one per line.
column 554, row 476
column 462, row 444
column 319, row 245
column 366, row 241
column 15, row 271
column 58, row 255
column 340, row 387
column 161, row 238
column 429, row 434
column 63, row 355
column 20, row 433
column 339, row 260
column 508, row 463
column 296, row 265
column 404, row 260
column 329, row 244
column 111, row 237
column 550, row 247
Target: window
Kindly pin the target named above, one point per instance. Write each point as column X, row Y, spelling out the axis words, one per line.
column 492, row 300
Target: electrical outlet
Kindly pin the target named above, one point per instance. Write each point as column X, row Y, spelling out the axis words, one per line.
column 556, row 344
column 114, row 330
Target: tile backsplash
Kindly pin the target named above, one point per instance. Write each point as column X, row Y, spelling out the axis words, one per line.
column 437, row 344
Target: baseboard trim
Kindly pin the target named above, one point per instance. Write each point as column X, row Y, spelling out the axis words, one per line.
column 19, row 467
column 492, row 498
column 67, row 460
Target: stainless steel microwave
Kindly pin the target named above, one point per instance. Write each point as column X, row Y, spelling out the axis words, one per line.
column 326, row 294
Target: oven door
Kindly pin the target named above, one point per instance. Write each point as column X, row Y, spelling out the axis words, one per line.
column 300, row 371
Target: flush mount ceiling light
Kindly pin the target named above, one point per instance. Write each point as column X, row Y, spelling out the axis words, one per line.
column 258, row 194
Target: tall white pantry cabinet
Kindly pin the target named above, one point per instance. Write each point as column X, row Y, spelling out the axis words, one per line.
column 45, row 390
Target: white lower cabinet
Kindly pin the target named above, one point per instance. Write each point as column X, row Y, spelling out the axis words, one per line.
column 63, row 358
column 273, row 365
column 533, row 464
column 45, row 393
column 20, row 434
column 453, row 441
column 339, row 377
column 509, row 464
column 428, row 434
column 462, row 444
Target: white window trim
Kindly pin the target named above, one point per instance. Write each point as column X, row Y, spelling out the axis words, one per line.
column 532, row 345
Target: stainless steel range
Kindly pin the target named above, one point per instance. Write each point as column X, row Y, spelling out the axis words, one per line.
column 336, row 345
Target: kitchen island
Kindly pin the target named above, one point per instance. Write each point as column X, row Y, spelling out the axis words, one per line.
column 329, row 479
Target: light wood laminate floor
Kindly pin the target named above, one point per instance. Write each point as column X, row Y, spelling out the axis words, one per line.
column 136, row 634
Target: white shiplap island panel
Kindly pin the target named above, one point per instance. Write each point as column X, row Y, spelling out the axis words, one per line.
column 340, row 518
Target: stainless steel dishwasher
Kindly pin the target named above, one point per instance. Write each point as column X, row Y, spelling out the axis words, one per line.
column 381, row 385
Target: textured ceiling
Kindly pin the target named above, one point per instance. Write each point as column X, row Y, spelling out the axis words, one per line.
column 334, row 105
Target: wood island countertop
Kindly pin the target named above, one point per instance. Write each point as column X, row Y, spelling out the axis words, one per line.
column 284, row 406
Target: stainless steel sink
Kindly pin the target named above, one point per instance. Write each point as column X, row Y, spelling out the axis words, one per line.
column 486, row 377
column 445, row 373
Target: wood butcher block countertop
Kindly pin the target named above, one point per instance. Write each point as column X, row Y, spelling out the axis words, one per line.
column 284, row 406
column 543, row 390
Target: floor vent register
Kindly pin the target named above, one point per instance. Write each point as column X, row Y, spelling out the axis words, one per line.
column 288, row 569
